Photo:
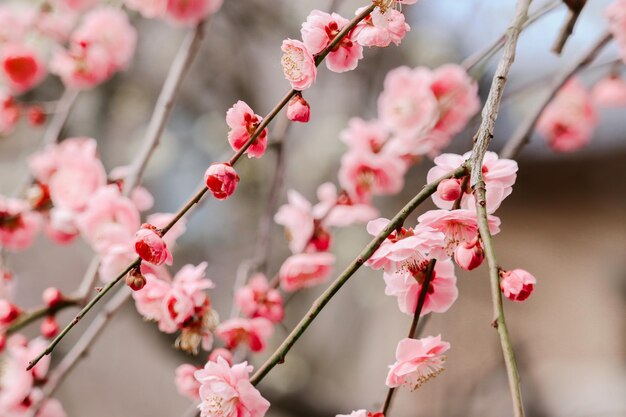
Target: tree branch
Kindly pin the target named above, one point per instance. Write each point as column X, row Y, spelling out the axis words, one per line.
column 574, row 9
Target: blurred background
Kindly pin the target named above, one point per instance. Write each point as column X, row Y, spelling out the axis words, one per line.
column 565, row 223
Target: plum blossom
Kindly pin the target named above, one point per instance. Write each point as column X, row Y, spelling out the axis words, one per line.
column 258, row 299
column 319, row 30
column 151, row 247
column 305, row 270
column 381, row 28
column 337, row 209
column 499, row 176
column 297, row 217
column 298, row 64
column 404, row 248
column 221, row 179
column 417, row 361
column 458, row 226
column 567, row 123
column 298, row 109
column 469, row 255
column 517, row 285
column 251, row 332
column 186, row 384
column 407, row 284
column 243, row 123
column 364, row 174
column 226, row 391
column 18, row 224
column 22, row 67
column 366, row 136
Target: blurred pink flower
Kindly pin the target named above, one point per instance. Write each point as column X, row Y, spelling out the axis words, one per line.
column 243, row 123
column 191, row 12
column 338, row 209
column 226, row 391
column 258, row 299
column 297, row 217
column 615, row 14
column 252, row 332
column 18, row 224
column 364, row 174
column 22, row 67
column 417, row 361
column 186, row 384
column 609, row 92
column 381, row 29
column 305, row 270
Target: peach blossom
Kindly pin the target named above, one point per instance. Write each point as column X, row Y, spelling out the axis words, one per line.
column 298, row 65
column 243, row 123
column 305, row 270
column 417, row 361
column 225, row 354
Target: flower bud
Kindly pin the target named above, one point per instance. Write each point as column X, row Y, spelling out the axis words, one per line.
column 8, row 312
column 36, row 115
column 52, row 297
column 469, row 255
column 221, row 179
column 150, row 246
column 224, row 353
column 516, row 285
column 298, row 109
column 49, row 327
column 449, row 190
column 135, row 279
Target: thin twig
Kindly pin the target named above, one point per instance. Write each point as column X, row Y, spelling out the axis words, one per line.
column 35, row 314
column 279, row 355
column 574, row 9
column 195, row 199
column 524, row 131
column 429, row 273
column 482, row 140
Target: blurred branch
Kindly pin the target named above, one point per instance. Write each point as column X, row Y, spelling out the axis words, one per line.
column 483, row 139
column 574, row 9
column 279, row 355
column 522, row 135
column 473, row 60
column 429, row 273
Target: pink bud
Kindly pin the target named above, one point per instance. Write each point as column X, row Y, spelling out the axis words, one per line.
column 224, row 353
column 221, row 179
column 298, row 110
column 469, row 255
column 150, row 246
column 52, row 297
column 8, row 312
column 449, row 190
column 517, row 284
column 49, row 327
column 135, row 279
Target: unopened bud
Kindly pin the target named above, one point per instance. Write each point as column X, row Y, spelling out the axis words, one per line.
column 449, row 190
column 298, row 109
column 49, row 327
column 469, row 255
column 135, row 279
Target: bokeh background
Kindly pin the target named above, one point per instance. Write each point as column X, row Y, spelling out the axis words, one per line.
column 565, row 222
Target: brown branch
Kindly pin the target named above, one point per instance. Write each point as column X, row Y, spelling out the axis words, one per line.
column 37, row 313
column 574, row 9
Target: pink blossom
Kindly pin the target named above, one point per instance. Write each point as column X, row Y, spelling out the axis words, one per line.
column 458, row 226
column 49, row 327
column 407, row 104
column 609, row 92
column 149, row 301
column 404, row 248
column 367, row 136
column 191, row 12
column 406, row 285
column 15, row 22
column 109, row 219
column 305, row 270
column 449, row 190
column 297, row 217
column 417, row 361
column 258, row 299
column 499, row 176
column 243, row 123
column 57, row 24
column 83, row 66
column 469, row 255
column 51, row 297
column 225, row 354
column 9, row 312
column 186, row 384
column 517, row 285
column 18, row 224
column 338, row 209
column 363, row 174
column 298, row 65
column 381, row 29
column 568, row 121
column 298, row 109
column 9, row 112
column 135, row 280
column 115, row 260
column 318, row 32
column 252, row 332
column 22, row 67
column 221, row 179
column 226, row 391
column 150, row 246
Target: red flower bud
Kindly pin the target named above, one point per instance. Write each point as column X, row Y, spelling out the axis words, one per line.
column 298, row 109
column 49, row 327
column 449, row 190
column 52, row 297
column 8, row 312
column 469, row 255
column 517, row 285
column 221, row 179
column 150, row 246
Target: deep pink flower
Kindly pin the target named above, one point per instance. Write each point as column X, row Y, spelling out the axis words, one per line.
column 609, row 92
column 298, row 65
column 305, row 270
column 186, row 384
column 517, row 285
column 251, row 332
column 150, row 246
column 499, row 176
column 258, row 299
column 243, row 123
column 406, row 285
column 22, row 67
column 417, row 361
column 318, row 32
column 221, row 179
column 458, row 226
column 568, row 121
column 381, row 29
column 338, row 209
column 298, row 109
column 226, row 391
column 18, row 224
column 364, row 174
